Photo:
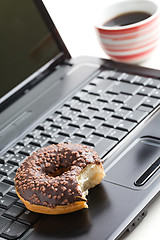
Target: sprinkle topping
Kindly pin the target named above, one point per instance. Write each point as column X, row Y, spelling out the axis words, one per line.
column 49, row 176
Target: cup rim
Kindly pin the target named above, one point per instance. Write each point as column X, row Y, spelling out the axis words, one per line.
column 137, row 24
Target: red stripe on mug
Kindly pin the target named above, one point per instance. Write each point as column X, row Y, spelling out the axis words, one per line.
column 132, row 56
column 131, row 35
column 130, row 29
column 129, row 47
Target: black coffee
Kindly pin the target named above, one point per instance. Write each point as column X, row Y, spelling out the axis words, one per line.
column 126, row 19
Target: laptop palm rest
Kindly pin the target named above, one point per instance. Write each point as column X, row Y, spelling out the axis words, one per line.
column 116, row 205
column 111, row 212
column 138, row 166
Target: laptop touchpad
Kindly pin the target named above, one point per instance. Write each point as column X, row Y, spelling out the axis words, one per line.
column 138, row 166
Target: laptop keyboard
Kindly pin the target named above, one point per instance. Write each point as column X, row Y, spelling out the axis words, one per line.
column 100, row 115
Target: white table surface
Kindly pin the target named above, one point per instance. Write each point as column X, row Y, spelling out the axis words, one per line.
column 75, row 22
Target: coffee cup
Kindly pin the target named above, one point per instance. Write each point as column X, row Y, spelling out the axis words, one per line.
column 129, row 30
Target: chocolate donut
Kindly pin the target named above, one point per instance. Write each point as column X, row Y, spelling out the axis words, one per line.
column 56, row 179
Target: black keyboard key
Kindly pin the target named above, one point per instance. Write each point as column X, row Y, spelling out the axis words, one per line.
column 2, row 177
column 123, row 87
column 4, row 224
column 137, row 116
column 156, row 93
column 80, row 95
column 39, row 141
column 75, row 139
column 130, row 78
column 4, row 158
column 79, row 106
column 89, row 88
column 134, row 102
column 12, row 192
column 79, row 121
column 13, row 212
column 103, row 115
column 34, row 133
column 118, row 76
column 25, row 141
column 104, row 145
column 107, row 97
column 17, row 159
column 145, row 109
column 44, row 125
column 90, row 98
column 63, row 109
column 88, row 113
column 51, row 131
column 7, row 168
column 15, row 230
column 154, row 83
column 69, row 130
column 70, row 114
column 20, row 203
column 122, row 113
column 145, row 91
column 93, row 123
column 57, row 139
column 151, row 102
column 53, row 116
column 6, row 201
column 103, row 85
column 29, row 217
column 61, row 122
column 84, row 132
column 112, row 106
column 102, row 131
column 1, row 213
column 126, row 125
column 16, row 148
column 92, row 140
column 96, row 81
column 28, row 149
column 122, row 98
column 112, row 122
column 106, row 74
column 10, row 178
column 115, row 75
column 71, row 102
column 117, row 134
column 99, row 104
column 141, row 80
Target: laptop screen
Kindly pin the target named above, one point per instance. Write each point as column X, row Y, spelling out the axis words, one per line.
column 26, row 43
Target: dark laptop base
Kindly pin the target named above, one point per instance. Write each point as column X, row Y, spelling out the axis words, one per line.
column 117, row 204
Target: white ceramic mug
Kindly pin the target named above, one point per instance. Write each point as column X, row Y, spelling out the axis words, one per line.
column 131, row 43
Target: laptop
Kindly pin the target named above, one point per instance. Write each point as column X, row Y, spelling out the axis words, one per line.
column 48, row 97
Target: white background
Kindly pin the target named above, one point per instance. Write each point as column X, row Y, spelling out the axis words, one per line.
column 75, row 22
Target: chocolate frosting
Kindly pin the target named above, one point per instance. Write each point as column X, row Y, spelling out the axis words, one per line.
column 49, row 176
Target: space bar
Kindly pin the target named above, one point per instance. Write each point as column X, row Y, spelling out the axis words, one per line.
column 104, row 145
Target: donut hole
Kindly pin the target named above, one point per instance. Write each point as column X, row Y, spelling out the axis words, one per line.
column 90, row 177
column 58, row 172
